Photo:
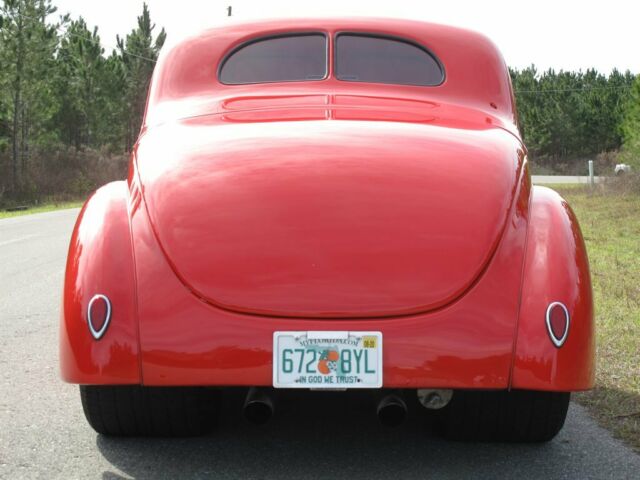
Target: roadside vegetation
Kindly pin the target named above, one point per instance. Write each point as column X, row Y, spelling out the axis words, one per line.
column 610, row 220
column 567, row 118
column 70, row 106
column 45, row 207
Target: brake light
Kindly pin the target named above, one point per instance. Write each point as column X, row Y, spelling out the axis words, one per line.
column 98, row 315
column 557, row 323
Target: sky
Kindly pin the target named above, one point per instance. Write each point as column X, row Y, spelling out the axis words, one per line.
column 559, row 34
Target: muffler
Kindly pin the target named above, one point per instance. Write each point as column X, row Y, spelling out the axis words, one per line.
column 392, row 409
column 258, row 406
column 434, row 398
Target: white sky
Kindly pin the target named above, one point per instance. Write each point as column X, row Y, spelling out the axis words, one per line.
column 561, row 34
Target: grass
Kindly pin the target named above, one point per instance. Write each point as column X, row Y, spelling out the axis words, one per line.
column 610, row 223
column 46, row 207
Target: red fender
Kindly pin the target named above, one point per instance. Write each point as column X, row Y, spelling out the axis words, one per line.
column 100, row 261
column 556, row 269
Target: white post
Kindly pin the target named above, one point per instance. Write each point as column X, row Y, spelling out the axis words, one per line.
column 592, row 180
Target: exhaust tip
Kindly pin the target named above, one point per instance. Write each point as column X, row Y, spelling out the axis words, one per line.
column 392, row 410
column 258, row 413
column 258, row 407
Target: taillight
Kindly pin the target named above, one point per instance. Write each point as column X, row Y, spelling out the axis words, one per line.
column 98, row 315
column 557, row 323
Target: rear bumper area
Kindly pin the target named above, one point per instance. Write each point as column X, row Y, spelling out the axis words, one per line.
column 417, row 352
column 467, row 344
column 486, row 339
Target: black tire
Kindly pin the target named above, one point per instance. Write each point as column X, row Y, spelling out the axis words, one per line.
column 504, row 416
column 149, row 411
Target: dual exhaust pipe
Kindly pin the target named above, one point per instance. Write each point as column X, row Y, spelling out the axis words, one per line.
column 391, row 409
column 259, row 407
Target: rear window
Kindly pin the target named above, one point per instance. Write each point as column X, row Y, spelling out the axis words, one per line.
column 291, row 58
column 377, row 59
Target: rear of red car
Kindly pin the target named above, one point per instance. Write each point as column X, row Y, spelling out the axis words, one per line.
column 329, row 208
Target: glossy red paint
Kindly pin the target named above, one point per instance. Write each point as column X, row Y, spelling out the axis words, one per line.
column 100, row 261
column 329, row 205
column 556, row 270
column 355, row 228
column 186, row 340
column 185, row 83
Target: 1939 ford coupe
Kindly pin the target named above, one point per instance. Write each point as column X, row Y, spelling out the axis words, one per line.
column 329, row 204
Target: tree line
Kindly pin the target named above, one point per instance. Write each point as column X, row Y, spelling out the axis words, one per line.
column 71, row 108
column 566, row 117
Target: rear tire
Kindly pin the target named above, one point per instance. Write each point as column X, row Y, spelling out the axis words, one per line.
column 504, row 416
column 149, row 411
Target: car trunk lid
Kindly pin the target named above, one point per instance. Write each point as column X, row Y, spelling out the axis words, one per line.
column 327, row 218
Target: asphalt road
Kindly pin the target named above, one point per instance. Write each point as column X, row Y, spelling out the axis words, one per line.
column 43, row 433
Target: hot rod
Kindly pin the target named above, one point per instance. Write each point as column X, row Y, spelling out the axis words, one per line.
column 329, row 204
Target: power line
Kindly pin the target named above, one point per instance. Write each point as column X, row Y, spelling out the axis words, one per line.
column 584, row 89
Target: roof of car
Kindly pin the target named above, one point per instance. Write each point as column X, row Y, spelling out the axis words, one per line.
column 185, row 81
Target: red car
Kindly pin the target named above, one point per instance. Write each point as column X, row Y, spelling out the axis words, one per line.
column 329, row 204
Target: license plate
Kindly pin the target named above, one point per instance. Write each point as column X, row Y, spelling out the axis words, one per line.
column 327, row 360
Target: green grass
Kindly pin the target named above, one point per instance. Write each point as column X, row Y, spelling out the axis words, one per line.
column 610, row 223
column 46, row 207
column 564, row 186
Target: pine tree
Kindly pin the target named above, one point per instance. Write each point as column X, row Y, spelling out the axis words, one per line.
column 28, row 44
column 80, row 86
column 139, row 51
column 631, row 127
